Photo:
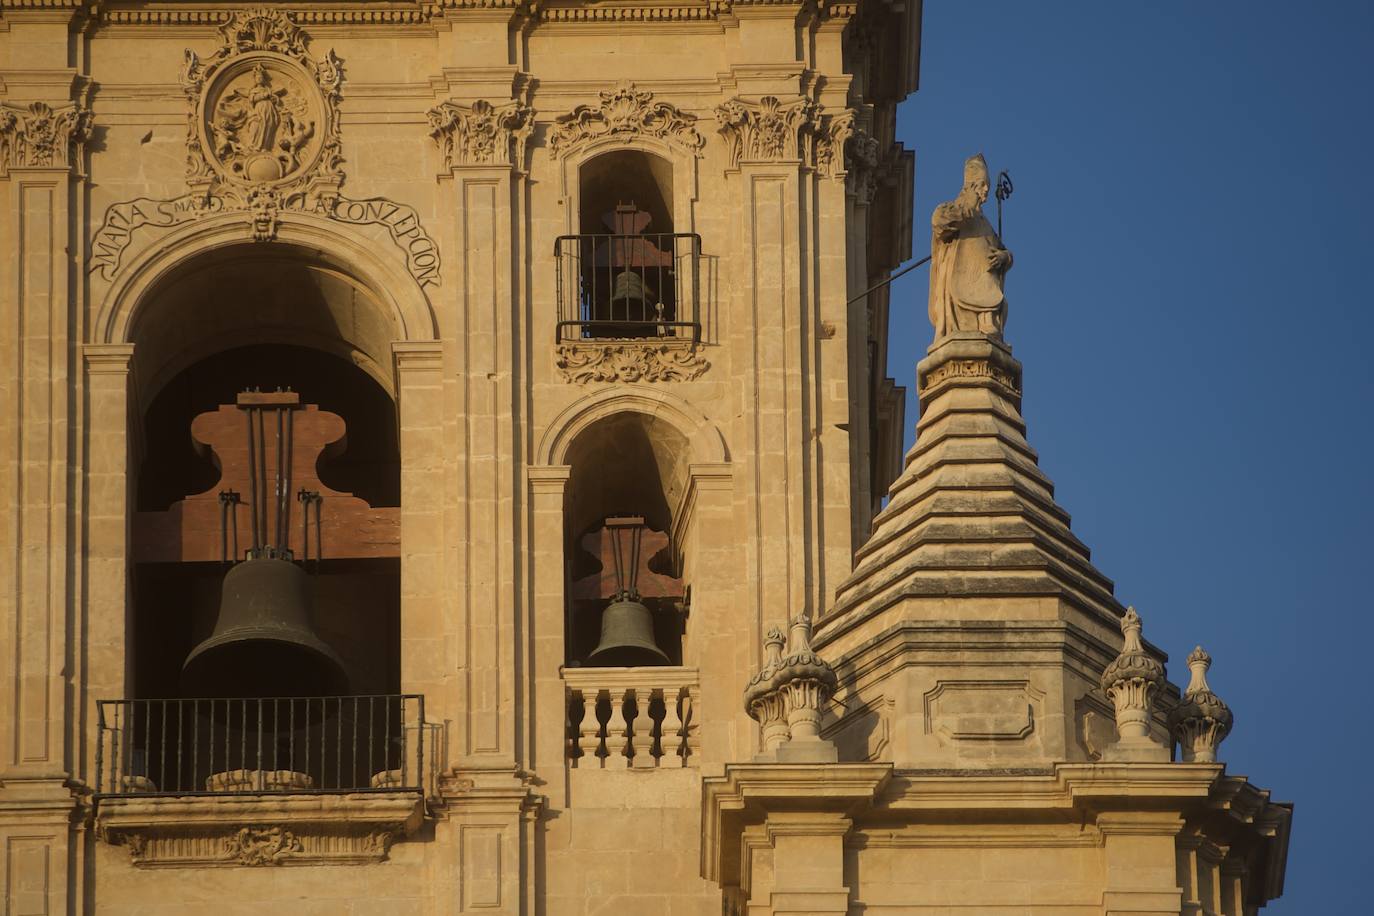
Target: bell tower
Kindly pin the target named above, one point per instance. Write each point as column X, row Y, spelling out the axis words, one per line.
column 453, row 467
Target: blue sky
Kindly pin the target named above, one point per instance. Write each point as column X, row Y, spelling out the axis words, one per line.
column 1190, row 299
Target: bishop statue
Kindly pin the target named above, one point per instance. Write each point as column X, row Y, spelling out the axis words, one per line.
column 968, row 263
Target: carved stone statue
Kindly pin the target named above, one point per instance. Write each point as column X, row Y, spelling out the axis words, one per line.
column 968, row 263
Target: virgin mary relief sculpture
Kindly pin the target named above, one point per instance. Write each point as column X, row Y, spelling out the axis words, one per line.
column 968, row 264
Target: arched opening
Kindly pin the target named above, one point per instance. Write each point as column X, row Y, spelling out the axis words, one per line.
column 627, row 272
column 628, row 472
column 265, row 583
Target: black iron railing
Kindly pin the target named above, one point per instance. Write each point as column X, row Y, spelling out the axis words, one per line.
column 271, row 744
column 628, row 286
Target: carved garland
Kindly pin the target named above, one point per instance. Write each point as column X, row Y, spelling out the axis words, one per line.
column 625, row 113
column 971, row 369
column 482, row 133
column 39, row 136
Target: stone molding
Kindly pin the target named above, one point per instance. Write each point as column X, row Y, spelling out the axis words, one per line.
column 625, row 113
column 232, row 830
column 481, row 133
column 40, row 136
column 771, row 130
column 965, row 358
column 658, row 361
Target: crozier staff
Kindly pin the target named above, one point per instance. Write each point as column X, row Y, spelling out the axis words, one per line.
column 968, row 263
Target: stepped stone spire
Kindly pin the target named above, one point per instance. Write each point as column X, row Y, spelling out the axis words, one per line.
column 972, row 584
column 972, row 515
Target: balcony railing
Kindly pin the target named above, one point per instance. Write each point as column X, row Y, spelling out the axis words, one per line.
column 628, row 286
column 259, row 745
column 631, row 717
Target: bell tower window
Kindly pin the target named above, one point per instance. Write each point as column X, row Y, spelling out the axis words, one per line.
column 626, row 273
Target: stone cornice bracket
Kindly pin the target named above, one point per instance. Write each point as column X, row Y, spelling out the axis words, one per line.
column 1131, row 682
column 625, row 113
column 40, row 136
column 481, row 134
column 770, row 130
column 788, row 695
column 1203, row 720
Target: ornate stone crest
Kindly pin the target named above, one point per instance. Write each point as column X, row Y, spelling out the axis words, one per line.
column 482, row 133
column 769, row 129
column 39, row 136
column 262, row 112
column 627, row 113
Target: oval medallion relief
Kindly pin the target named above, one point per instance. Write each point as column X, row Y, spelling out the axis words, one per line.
column 260, row 120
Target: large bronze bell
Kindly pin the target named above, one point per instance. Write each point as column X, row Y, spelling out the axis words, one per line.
column 627, row 637
column 263, row 643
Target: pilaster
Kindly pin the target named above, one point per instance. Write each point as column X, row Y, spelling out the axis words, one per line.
column 774, row 331
column 483, row 147
column 425, row 666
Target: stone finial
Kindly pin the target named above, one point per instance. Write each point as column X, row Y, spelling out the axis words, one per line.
column 809, row 681
column 1131, row 682
column 763, row 701
column 1202, row 721
column 788, row 694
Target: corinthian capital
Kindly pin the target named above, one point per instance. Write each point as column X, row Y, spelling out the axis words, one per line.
column 39, row 136
column 481, row 133
column 769, row 129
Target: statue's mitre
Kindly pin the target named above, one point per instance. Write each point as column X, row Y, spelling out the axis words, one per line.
column 975, row 168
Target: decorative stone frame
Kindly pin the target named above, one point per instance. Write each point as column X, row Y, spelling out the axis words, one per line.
column 283, row 829
column 629, row 360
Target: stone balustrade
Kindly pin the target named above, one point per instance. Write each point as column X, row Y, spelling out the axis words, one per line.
column 622, row 718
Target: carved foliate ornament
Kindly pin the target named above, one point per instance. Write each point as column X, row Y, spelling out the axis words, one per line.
column 770, row 130
column 626, row 113
column 262, row 112
column 629, row 362
column 40, row 136
column 482, row 133
column 262, row 846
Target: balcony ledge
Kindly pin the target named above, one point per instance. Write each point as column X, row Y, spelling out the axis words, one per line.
column 255, row 830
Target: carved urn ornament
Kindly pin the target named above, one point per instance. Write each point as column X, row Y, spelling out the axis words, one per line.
column 788, row 696
column 1131, row 682
column 1202, row 721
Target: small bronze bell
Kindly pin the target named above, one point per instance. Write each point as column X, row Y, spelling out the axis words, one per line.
column 627, row 637
column 263, row 643
column 630, row 287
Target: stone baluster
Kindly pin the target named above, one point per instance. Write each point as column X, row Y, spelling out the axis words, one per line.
column 642, row 730
column 1131, row 682
column 670, row 735
column 1202, row 721
column 589, row 732
column 618, row 738
column 691, row 737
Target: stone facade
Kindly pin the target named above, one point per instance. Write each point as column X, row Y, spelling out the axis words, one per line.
column 437, row 222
